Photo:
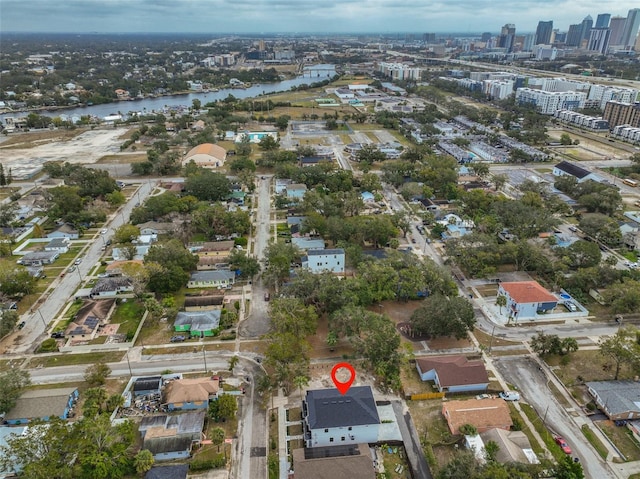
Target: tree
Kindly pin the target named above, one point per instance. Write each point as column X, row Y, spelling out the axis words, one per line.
column 501, row 301
column 491, row 450
column 332, row 340
column 144, row 460
column 468, row 430
column 8, row 320
column 243, row 148
column 208, row 186
column 233, row 362
column 217, row 435
column 268, row 143
column 291, row 315
column 8, row 213
column 126, row 234
column 247, row 265
column 621, row 349
column 96, row 374
column 584, row 254
column 15, row 281
column 94, row 401
column 300, row 382
column 443, row 316
column 227, row 406
column 567, row 468
column 12, row 383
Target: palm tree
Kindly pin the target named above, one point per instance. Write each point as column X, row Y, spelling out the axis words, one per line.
column 501, row 301
column 233, row 362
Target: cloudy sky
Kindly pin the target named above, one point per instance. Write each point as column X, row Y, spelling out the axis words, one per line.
column 296, row 16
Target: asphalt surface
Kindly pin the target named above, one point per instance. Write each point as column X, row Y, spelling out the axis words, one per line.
column 523, row 372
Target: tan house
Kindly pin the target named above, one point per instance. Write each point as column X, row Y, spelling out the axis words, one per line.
column 348, row 462
column 483, row 414
column 206, row 155
column 91, row 316
column 191, row 393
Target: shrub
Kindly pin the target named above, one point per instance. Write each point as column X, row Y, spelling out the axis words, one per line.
column 48, row 346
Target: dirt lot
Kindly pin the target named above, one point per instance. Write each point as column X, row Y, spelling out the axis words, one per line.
column 37, row 138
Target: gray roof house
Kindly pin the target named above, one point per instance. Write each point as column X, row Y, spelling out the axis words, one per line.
column 64, row 231
column 565, row 168
column 333, row 419
column 202, row 323
column 155, row 228
column 147, row 386
column 176, row 471
column 39, row 258
column 61, row 245
column 109, row 287
column 42, row 404
column 211, row 279
column 619, row 400
column 171, row 437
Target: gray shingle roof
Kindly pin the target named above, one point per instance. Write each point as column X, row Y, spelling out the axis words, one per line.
column 40, row 403
column 328, row 408
column 573, row 170
column 177, row 471
column 199, row 320
column 218, row 275
column 323, row 252
column 617, row 396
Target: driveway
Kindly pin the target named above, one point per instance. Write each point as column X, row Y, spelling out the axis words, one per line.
column 532, row 383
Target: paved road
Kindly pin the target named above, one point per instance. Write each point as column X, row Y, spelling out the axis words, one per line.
column 62, row 289
column 257, row 322
column 532, row 383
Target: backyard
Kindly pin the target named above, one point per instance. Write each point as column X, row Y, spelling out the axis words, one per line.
column 128, row 315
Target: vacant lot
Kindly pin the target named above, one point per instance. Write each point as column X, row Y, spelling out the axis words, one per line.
column 36, row 138
column 622, row 437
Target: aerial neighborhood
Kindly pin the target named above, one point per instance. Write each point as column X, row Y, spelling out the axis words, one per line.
column 203, row 238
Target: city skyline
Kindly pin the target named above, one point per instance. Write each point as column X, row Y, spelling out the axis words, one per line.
column 296, row 16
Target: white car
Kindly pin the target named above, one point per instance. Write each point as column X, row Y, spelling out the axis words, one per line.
column 510, row 396
column 103, row 231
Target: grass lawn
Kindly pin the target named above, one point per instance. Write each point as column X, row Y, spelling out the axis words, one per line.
column 128, row 316
column 411, row 382
column 6, row 192
column 485, row 339
column 188, row 347
column 546, row 436
column 391, row 462
column 595, row 442
column 123, row 158
column 622, row 437
column 75, row 359
column 585, row 366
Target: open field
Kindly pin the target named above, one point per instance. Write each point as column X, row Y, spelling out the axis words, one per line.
column 622, row 437
column 123, row 158
column 36, row 138
column 75, row 359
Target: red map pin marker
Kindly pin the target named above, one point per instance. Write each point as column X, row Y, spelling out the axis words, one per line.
column 343, row 387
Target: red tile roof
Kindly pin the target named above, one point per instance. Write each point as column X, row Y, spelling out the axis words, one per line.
column 528, row 292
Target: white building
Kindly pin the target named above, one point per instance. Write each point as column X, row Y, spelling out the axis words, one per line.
column 574, row 118
column 548, row 102
column 332, row 419
column 626, row 133
column 604, row 94
column 320, row 260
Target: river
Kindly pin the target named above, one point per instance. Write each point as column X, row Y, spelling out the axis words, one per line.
column 312, row 74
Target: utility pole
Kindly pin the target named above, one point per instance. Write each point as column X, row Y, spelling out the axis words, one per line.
column 491, row 341
column 204, row 356
column 129, row 364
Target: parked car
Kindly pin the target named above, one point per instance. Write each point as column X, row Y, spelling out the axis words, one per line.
column 57, row 334
column 71, row 269
column 563, row 444
column 103, row 231
column 177, row 339
column 267, row 296
column 77, row 261
column 573, row 229
column 570, row 306
column 21, row 324
column 510, row 396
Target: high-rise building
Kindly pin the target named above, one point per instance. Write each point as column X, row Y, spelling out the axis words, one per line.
column 429, row 37
column 631, row 28
column 507, row 37
column 616, row 25
column 603, row 20
column 543, row 33
column 528, row 42
column 587, row 24
column 486, row 36
column 560, row 37
column 574, row 35
column 619, row 113
column 599, row 40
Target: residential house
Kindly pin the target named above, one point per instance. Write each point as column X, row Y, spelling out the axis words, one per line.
column 198, row 323
column 306, row 244
column 483, row 414
column 525, row 299
column 110, row 287
column 89, row 318
column 455, row 227
column 171, row 437
column 566, row 168
column 206, row 155
column 39, row 258
column 332, row 419
column 314, row 160
column 61, row 245
column 211, row 279
column 42, row 404
column 619, row 400
column 296, row 191
column 183, row 394
column 35, row 271
column 212, row 253
column 64, row 231
column 147, row 386
column 203, row 303
column 335, row 462
column 156, row 228
column 454, row 374
column 321, row 260
column 514, row 446
column 175, row 471
column 145, row 239
column 281, row 185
